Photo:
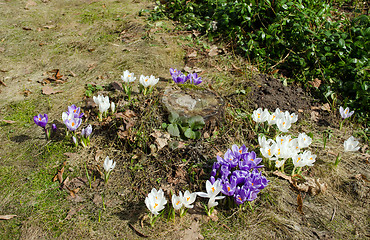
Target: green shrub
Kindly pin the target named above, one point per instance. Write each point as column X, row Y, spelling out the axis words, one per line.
column 304, row 39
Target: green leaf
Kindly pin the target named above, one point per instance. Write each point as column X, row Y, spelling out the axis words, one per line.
column 190, row 133
column 196, row 122
column 174, row 117
column 173, row 130
column 342, row 43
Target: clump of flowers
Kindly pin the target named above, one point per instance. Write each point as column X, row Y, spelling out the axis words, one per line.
column 283, row 120
column 286, row 147
column 85, row 135
column 127, row 78
column 103, row 105
column 72, row 118
column 41, row 121
column 147, row 83
column 236, row 175
column 180, row 78
column 155, row 202
column 183, row 202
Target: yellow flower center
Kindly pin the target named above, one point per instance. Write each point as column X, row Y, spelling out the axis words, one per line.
column 187, row 199
column 299, row 159
column 228, row 189
column 240, row 151
column 213, row 189
column 178, row 202
column 146, row 80
column 129, row 75
column 273, row 117
column 252, row 184
column 269, row 152
column 259, row 115
column 39, row 119
column 252, row 159
column 73, row 124
column 155, row 205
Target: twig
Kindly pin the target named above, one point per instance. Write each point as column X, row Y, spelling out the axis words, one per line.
column 226, row 227
column 2, row 83
column 282, row 60
column 333, row 215
column 138, row 233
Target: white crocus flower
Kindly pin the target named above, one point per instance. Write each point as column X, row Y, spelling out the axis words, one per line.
column 308, row 158
column 189, row 199
column 263, row 142
column 279, row 163
column 103, row 104
column 112, row 107
column 351, row 144
column 108, row 165
column 283, row 124
column 268, row 151
column 212, row 191
column 259, row 115
column 298, row 161
column 155, row 201
column 271, row 118
column 128, row 77
column 177, row 201
column 292, row 117
column 304, row 140
column 153, row 81
column 147, row 81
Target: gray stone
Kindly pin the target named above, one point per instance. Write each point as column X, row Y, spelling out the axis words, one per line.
column 192, row 102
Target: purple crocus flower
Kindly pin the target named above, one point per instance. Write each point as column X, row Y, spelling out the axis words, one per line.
column 180, row 78
column 225, row 171
column 228, row 187
column 194, row 79
column 240, row 176
column 249, row 161
column 73, row 123
column 212, row 180
column 229, row 157
column 239, row 151
column 251, row 195
column 75, row 110
column 174, row 72
column 54, row 127
column 215, row 168
column 240, row 195
column 85, row 132
column 41, row 120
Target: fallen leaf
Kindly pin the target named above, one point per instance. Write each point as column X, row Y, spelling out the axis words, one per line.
column 361, row 177
column 315, row 116
column 47, row 90
column 315, row 83
column 192, row 54
column 300, row 204
column 161, row 138
column 117, row 86
column 59, row 175
column 213, row 51
column 326, row 107
column 73, row 211
column 7, row 217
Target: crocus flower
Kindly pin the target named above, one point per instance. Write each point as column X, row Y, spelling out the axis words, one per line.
column 113, row 107
column 212, row 191
column 229, row 187
column 103, row 105
column 54, row 127
column 194, row 79
column 128, row 77
column 155, row 201
column 189, row 199
column 147, row 81
column 292, row 117
column 41, row 120
column 239, row 151
column 108, row 165
column 177, row 201
column 85, row 132
column 174, row 73
column 351, row 144
column 74, row 139
column 72, row 123
column 304, row 140
column 283, row 124
column 345, row 113
column 180, row 78
column 259, row 115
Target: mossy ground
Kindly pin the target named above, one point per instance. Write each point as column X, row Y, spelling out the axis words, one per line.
column 93, row 42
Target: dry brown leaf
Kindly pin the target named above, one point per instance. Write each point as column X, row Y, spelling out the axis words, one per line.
column 47, row 90
column 361, row 177
column 59, row 175
column 7, row 217
column 326, row 107
column 300, row 204
column 315, row 116
column 283, row 175
column 192, row 54
column 315, row 83
column 117, row 86
column 161, row 138
column 73, row 211
column 213, row 51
